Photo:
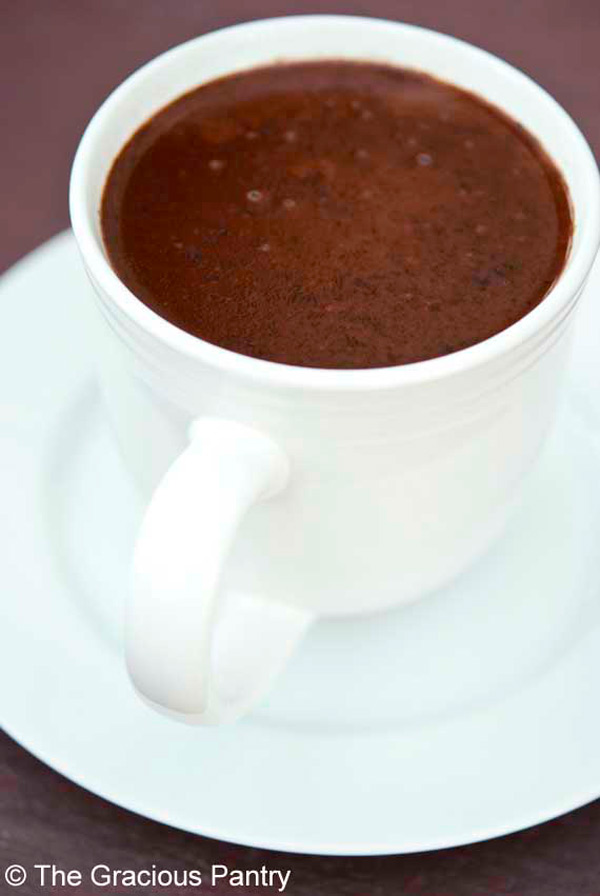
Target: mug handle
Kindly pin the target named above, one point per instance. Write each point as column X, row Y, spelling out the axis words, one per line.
column 187, row 656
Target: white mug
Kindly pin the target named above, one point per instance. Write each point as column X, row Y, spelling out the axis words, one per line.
column 277, row 493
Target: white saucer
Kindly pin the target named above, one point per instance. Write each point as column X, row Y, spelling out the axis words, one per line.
column 471, row 714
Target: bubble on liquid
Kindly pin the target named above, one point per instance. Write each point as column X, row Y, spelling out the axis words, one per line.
column 480, row 229
column 520, row 216
column 366, row 115
column 289, row 203
column 424, row 159
column 255, row 196
column 355, row 104
column 216, row 164
column 367, row 194
column 178, row 244
column 362, row 154
column 264, row 247
column 290, row 136
column 330, row 103
column 469, row 144
column 251, row 135
column 412, row 141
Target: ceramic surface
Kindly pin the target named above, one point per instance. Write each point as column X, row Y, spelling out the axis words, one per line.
column 467, row 715
column 300, row 492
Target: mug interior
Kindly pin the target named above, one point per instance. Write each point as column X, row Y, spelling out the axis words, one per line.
column 339, row 37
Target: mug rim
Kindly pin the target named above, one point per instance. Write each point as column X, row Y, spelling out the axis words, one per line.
column 567, row 285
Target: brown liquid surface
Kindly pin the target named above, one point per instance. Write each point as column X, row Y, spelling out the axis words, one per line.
column 336, row 214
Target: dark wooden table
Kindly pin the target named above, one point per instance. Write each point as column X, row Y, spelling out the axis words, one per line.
column 59, row 58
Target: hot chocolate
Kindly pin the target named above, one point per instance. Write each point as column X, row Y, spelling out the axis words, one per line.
column 336, row 214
